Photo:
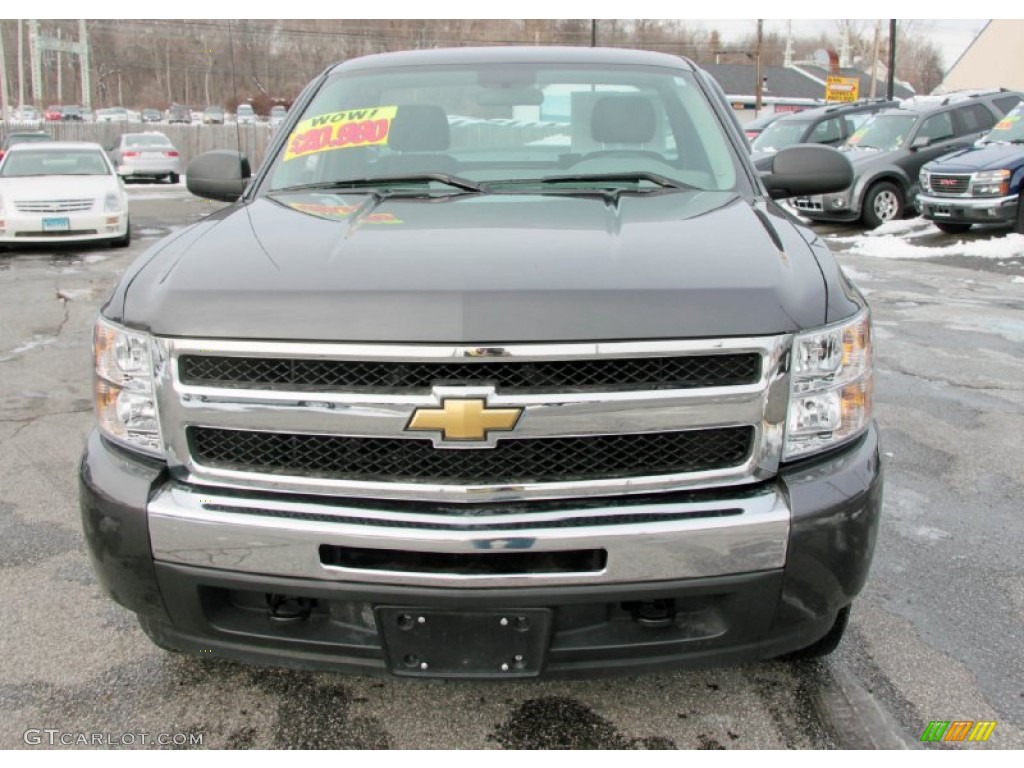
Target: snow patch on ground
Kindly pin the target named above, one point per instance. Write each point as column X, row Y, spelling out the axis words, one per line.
column 898, row 227
column 70, row 294
column 95, row 258
column 894, row 247
column 37, row 341
column 907, row 228
column 150, row 232
column 1018, row 279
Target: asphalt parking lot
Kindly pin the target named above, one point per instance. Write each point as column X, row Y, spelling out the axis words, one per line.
column 935, row 636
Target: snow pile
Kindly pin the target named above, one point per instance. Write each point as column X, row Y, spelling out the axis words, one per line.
column 895, row 247
column 907, row 228
column 898, row 227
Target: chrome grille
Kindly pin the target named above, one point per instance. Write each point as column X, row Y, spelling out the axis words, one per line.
column 510, row 461
column 53, row 206
column 948, row 184
column 595, row 418
column 339, row 375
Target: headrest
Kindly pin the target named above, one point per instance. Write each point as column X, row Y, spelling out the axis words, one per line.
column 622, row 120
column 419, row 128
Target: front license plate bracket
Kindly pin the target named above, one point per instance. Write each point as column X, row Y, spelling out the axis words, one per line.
column 422, row 642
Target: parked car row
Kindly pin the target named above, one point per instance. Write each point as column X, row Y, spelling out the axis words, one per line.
column 148, row 155
column 923, row 154
column 29, row 116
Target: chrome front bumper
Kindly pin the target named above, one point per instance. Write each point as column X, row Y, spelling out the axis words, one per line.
column 978, row 210
column 645, row 542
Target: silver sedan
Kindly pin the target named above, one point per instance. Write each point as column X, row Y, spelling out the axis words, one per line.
column 146, row 155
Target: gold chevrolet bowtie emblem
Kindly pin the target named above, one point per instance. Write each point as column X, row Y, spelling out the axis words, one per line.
column 464, row 419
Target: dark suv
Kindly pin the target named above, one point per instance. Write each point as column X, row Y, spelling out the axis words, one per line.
column 831, row 125
column 889, row 151
column 980, row 185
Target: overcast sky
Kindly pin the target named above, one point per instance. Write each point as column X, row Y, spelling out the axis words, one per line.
column 951, row 36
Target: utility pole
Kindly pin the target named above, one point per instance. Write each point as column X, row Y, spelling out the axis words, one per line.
column 21, row 68
column 5, row 103
column 593, row 33
column 60, row 80
column 788, row 62
column 83, row 62
column 891, row 74
column 874, row 58
column 34, row 55
column 757, row 85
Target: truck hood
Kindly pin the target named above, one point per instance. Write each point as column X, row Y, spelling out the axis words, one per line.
column 490, row 268
column 991, row 157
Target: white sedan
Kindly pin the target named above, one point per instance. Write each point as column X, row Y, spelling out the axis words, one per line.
column 61, row 192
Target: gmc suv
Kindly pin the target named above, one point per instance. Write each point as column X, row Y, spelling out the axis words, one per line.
column 504, row 363
column 980, row 185
column 889, row 151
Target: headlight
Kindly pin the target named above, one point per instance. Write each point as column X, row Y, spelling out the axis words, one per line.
column 925, row 180
column 991, row 183
column 124, row 394
column 112, row 202
column 830, row 391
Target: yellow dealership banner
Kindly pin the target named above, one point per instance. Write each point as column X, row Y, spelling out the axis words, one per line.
column 842, row 88
column 340, row 130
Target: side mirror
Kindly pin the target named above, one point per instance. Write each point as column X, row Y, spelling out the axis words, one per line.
column 920, row 143
column 219, row 175
column 806, row 169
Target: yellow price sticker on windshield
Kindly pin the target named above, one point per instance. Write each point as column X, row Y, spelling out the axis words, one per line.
column 1007, row 122
column 340, row 130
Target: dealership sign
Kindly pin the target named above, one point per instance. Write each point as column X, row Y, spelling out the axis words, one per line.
column 842, row 88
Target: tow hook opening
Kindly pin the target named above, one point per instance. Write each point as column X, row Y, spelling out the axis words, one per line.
column 652, row 613
column 286, row 609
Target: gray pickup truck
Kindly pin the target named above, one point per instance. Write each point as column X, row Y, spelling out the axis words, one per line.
column 504, row 363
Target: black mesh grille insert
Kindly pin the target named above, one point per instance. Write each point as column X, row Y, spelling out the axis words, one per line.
column 548, row 459
column 606, row 374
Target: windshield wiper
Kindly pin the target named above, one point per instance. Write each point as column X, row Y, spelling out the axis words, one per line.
column 627, row 176
column 386, row 181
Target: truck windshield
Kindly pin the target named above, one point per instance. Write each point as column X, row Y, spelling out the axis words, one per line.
column 510, row 123
column 886, row 132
